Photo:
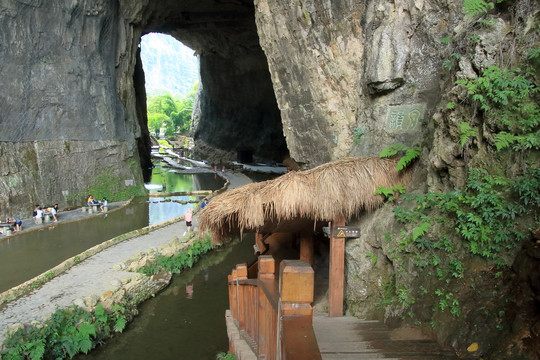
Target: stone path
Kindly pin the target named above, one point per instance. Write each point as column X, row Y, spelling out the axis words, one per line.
column 93, row 276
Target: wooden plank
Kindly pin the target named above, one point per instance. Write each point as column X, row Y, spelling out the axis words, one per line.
column 350, row 338
column 299, row 342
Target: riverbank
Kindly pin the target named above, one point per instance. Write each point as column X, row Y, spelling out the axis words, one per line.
column 64, row 217
column 98, row 274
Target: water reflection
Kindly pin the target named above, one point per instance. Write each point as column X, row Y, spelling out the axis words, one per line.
column 174, row 325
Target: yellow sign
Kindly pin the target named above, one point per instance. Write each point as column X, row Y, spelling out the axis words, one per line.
column 341, row 234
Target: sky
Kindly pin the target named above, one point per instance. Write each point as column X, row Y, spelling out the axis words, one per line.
column 168, row 65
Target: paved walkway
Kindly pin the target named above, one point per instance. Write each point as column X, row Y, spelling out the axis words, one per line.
column 93, row 276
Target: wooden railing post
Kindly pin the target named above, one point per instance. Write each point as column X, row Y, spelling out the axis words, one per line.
column 296, row 339
column 266, row 313
column 241, row 273
column 296, row 284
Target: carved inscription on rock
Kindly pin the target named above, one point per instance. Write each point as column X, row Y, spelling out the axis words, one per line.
column 405, row 118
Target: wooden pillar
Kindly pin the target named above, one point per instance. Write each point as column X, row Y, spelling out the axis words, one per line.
column 306, row 247
column 336, row 272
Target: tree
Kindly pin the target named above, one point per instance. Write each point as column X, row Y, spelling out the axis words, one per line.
column 155, row 121
column 172, row 113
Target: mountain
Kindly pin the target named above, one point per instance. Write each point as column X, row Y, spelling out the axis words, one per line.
column 168, row 65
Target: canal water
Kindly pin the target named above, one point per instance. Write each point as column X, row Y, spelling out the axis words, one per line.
column 27, row 255
column 187, row 319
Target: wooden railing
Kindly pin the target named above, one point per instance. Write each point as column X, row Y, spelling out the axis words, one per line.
column 274, row 316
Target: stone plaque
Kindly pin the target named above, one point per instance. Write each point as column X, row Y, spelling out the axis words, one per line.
column 405, row 117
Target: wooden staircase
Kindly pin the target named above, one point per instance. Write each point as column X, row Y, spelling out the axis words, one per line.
column 348, row 338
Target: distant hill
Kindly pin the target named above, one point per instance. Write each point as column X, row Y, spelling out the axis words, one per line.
column 168, row 65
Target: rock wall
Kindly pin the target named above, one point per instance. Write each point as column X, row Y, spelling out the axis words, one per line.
column 341, row 68
column 64, row 120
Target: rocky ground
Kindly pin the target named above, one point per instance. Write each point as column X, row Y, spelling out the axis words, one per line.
column 97, row 277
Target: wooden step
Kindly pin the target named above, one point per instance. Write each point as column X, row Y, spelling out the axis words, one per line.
column 347, row 338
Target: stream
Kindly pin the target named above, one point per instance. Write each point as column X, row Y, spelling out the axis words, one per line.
column 187, row 319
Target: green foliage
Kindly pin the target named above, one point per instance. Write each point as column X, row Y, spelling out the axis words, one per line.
column 483, row 215
column 474, row 8
column 411, row 153
column 451, row 105
column 176, row 263
column 466, row 131
column 357, row 134
column 389, row 193
column 509, row 100
column 448, row 301
column 173, row 114
column 155, row 121
column 485, row 218
column 372, row 257
column 66, row 333
column 225, row 356
column 108, row 185
column 446, row 40
column 164, row 143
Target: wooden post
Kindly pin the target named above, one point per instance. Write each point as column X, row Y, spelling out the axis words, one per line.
column 241, row 273
column 296, row 339
column 336, row 272
column 266, row 267
column 306, row 247
column 296, row 284
column 267, row 316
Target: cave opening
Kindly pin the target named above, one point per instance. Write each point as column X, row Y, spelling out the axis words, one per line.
column 236, row 116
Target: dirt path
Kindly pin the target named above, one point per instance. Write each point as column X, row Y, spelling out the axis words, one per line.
column 93, row 276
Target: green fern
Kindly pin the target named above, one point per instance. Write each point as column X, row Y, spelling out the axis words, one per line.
column 411, row 153
column 466, row 131
column 474, row 8
column 389, row 193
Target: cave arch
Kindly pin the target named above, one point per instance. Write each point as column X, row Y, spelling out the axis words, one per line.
column 236, row 104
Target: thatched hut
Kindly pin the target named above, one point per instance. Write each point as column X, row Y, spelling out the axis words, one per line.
column 336, row 190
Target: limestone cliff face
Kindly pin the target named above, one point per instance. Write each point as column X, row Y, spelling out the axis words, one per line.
column 63, row 118
column 340, row 68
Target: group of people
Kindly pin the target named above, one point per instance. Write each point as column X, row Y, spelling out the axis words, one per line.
column 102, row 204
column 40, row 212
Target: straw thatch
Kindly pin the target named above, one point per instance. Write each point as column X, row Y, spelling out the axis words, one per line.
column 336, row 190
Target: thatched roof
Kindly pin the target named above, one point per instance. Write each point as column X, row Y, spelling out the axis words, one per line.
column 336, row 190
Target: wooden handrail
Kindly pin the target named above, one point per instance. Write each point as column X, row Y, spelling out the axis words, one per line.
column 275, row 317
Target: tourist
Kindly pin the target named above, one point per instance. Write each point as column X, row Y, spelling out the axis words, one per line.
column 52, row 210
column 103, row 204
column 91, row 200
column 188, row 217
column 204, row 203
column 39, row 215
column 17, row 223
